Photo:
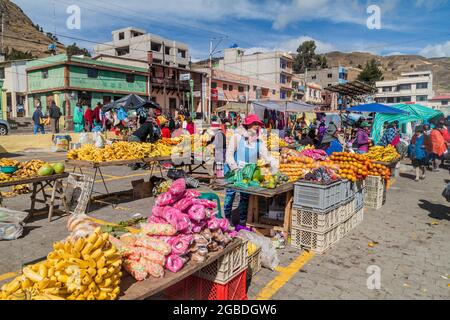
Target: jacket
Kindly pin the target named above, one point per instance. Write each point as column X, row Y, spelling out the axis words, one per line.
column 437, row 142
column 54, row 112
column 37, row 116
column 235, row 142
column 362, row 140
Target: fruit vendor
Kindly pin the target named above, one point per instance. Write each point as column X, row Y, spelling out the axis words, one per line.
column 245, row 147
column 362, row 140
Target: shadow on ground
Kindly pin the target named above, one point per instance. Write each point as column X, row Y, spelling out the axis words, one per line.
column 437, row 211
column 408, row 176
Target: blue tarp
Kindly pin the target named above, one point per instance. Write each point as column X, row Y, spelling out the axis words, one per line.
column 377, row 108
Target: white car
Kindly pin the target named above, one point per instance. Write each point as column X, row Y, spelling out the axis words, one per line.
column 4, row 128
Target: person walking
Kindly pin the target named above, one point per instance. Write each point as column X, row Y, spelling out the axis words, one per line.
column 38, row 120
column 89, row 119
column 418, row 153
column 78, row 118
column 54, row 114
column 436, row 147
column 97, row 115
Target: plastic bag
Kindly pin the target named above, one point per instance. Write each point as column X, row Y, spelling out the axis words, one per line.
column 10, row 231
column 174, row 263
column 184, row 204
column 269, row 256
column 178, row 188
column 164, row 199
column 197, row 213
column 84, row 138
column 158, row 229
column 137, row 270
column 153, row 269
column 154, row 244
column 151, row 255
column 98, row 140
column 180, row 244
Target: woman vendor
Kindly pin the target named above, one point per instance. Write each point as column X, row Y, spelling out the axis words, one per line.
column 245, row 147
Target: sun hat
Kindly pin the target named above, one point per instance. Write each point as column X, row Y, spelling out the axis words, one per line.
column 253, row 119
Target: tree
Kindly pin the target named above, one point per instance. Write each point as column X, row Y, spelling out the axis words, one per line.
column 74, row 50
column 14, row 54
column 307, row 57
column 371, row 73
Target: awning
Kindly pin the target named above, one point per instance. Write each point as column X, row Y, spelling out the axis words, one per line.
column 237, row 107
column 376, row 108
column 353, row 89
column 284, row 106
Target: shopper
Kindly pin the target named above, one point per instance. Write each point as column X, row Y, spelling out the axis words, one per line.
column 165, row 131
column 97, row 115
column 89, row 119
column 436, row 146
column 38, row 120
column 418, row 153
column 54, row 113
column 190, row 127
column 245, row 147
column 78, row 118
column 362, row 140
column 389, row 135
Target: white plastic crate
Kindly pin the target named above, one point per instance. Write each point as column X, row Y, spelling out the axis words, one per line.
column 375, row 196
column 227, row 267
column 314, row 220
column 349, row 189
column 359, row 199
column 347, row 226
column 254, row 262
column 347, row 210
column 314, row 241
column 375, row 182
column 316, row 196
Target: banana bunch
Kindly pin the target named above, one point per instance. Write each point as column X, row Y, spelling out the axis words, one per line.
column 383, row 154
column 274, row 141
column 172, row 141
column 29, row 169
column 5, row 177
column 81, row 269
column 4, row 162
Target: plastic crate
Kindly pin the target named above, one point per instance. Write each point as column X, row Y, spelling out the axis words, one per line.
column 355, row 220
column 235, row 289
column 347, row 210
column 186, row 289
column 359, row 199
column 226, row 267
column 254, row 263
column 375, row 182
column 375, row 197
column 317, row 221
column 316, row 196
column 314, row 241
column 349, row 189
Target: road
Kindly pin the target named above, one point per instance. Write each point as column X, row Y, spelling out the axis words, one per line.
column 410, row 245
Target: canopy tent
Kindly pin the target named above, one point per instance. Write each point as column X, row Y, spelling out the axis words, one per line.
column 258, row 107
column 376, row 108
column 131, row 102
column 237, row 107
column 415, row 112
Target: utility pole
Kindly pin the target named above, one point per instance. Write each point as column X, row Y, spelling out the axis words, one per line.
column 3, row 38
column 211, row 53
column 164, row 69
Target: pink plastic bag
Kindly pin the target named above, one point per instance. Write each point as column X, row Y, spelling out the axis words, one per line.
column 233, row 234
column 164, row 199
column 224, row 224
column 180, row 244
column 179, row 220
column 157, row 220
column 158, row 211
column 213, row 223
column 184, row 204
column 197, row 227
column 174, row 263
column 192, row 194
column 178, row 188
column 197, row 213
column 206, row 203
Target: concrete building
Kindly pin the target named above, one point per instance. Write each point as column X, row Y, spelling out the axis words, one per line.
column 326, row 77
column 410, row 87
column 272, row 67
column 307, row 91
column 13, row 102
column 136, row 43
column 441, row 103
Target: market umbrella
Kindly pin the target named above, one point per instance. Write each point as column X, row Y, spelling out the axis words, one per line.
column 129, row 102
column 147, row 104
column 376, row 108
column 415, row 112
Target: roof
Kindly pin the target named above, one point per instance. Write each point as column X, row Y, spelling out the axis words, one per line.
column 355, row 88
column 441, row 97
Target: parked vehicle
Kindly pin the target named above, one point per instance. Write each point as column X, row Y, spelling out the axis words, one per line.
column 4, row 127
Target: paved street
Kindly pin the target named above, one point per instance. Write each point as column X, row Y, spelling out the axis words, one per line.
column 410, row 235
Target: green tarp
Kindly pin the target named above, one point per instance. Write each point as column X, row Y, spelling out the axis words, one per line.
column 416, row 112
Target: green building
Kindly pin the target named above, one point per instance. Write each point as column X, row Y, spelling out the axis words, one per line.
column 68, row 80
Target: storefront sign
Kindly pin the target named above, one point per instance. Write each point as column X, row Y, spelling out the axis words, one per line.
column 185, row 77
column 214, row 95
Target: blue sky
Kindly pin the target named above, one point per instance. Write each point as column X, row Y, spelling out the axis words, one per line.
column 407, row 26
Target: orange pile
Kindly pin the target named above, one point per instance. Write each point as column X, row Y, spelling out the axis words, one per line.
column 380, row 171
column 297, row 167
column 352, row 167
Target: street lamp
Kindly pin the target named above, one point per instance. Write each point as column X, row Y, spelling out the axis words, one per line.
column 191, row 84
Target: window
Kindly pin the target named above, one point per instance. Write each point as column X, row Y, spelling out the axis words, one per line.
column 387, row 89
column 225, row 86
column 123, row 51
column 230, row 88
column 423, row 85
column 44, row 74
column 181, row 53
column 274, row 92
column 314, row 77
column 444, row 103
column 157, row 61
column 167, row 50
column 401, row 87
column 92, row 73
column 282, row 95
column 136, row 34
column 283, row 64
column 422, row 98
column 213, row 85
column 130, row 78
column 2, row 73
column 254, row 88
column 404, row 99
column 390, row 100
column 330, row 75
column 182, row 66
column 241, row 89
column 121, row 36
column 155, row 47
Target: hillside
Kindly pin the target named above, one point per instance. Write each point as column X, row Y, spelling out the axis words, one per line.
column 393, row 66
column 21, row 34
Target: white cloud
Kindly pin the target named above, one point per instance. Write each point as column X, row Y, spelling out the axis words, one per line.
column 436, row 51
column 430, row 4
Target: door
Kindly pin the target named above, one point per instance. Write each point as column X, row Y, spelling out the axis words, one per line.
column 172, row 106
column 49, row 99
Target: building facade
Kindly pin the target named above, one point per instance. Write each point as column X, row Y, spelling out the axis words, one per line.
column 441, row 103
column 326, row 77
column 136, row 43
column 271, row 67
column 410, row 87
column 13, row 102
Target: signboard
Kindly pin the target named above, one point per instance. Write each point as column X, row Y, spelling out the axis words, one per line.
column 214, row 95
column 185, row 77
column 197, row 94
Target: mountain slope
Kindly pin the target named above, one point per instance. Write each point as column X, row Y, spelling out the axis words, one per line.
column 21, row 34
column 393, row 66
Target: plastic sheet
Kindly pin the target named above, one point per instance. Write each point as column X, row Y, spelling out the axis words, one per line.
column 269, row 255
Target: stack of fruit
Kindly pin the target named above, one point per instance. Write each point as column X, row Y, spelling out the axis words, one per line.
column 379, row 170
column 352, row 167
column 322, row 175
column 273, row 142
column 9, row 163
column 83, row 269
column 383, row 154
column 120, row 151
column 172, row 141
column 29, row 169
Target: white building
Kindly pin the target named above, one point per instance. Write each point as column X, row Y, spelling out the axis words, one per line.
column 136, row 43
column 441, row 103
column 14, row 91
column 411, row 87
column 274, row 67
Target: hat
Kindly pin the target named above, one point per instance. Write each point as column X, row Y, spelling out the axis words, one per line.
column 253, row 119
column 365, row 125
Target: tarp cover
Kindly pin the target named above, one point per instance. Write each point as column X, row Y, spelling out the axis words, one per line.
column 377, row 108
column 416, row 112
column 131, row 102
column 289, row 107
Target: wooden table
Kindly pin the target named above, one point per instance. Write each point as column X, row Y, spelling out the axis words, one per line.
column 40, row 184
column 132, row 290
column 97, row 166
column 254, row 220
column 196, row 169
